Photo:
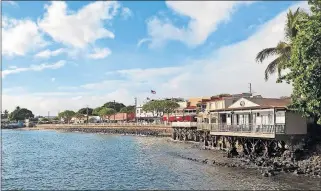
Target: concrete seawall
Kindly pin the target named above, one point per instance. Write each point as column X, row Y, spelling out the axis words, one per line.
column 132, row 129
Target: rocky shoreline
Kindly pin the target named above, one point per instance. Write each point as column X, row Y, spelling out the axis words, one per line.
column 309, row 165
column 141, row 131
column 272, row 166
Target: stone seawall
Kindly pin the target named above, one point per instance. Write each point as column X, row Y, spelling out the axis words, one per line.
column 160, row 131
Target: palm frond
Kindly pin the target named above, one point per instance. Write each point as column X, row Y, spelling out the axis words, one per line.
column 263, row 54
column 270, row 69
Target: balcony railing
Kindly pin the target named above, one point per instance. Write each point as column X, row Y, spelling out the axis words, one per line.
column 245, row 128
column 184, row 124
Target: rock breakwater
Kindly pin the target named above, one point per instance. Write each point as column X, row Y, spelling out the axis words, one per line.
column 134, row 130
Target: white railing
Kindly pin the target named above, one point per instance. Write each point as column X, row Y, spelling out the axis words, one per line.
column 245, row 128
column 184, row 124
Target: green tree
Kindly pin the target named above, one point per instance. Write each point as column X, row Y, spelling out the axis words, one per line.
column 67, row 115
column 115, row 105
column 107, row 112
column 155, row 107
column 169, row 107
column 56, row 118
column 44, row 119
column 160, row 107
column 84, row 111
column 128, row 109
column 5, row 114
column 305, row 65
column 21, row 114
column 79, row 116
column 283, row 48
column 96, row 110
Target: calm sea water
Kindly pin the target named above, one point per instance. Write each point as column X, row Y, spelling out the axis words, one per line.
column 55, row 160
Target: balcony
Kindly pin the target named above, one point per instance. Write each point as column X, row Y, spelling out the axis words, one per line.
column 245, row 130
column 184, row 124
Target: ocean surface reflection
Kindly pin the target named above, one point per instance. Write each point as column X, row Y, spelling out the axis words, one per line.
column 63, row 161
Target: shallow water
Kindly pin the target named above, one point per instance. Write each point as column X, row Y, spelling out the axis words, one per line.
column 55, row 160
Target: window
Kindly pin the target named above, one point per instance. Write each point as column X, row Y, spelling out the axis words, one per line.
column 228, row 115
column 258, row 114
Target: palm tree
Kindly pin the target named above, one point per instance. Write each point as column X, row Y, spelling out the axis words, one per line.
column 283, row 49
column 6, row 114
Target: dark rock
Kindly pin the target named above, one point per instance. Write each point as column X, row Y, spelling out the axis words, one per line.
column 265, row 174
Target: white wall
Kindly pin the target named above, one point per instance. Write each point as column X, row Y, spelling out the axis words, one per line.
column 141, row 113
column 295, row 124
column 247, row 103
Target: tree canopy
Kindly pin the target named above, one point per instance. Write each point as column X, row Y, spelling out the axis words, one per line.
column 128, row 109
column 67, row 115
column 21, row 114
column 106, row 112
column 96, row 111
column 84, row 111
column 283, row 49
column 115, row 105
column 305, row 65
column 159, row 107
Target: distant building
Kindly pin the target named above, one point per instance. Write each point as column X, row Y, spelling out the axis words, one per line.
column 121, row 117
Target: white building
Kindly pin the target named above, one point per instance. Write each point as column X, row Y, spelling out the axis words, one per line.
column 265, row 116
column 143, row 115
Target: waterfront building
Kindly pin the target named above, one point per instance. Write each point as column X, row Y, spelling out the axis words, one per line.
column 259, row 116
column 143, row 116
column 185, row 112
column 122, row 117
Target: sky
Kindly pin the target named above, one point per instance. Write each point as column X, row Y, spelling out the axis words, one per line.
column 69, row 55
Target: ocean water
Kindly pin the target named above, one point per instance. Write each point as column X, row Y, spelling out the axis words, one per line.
column 50, row 160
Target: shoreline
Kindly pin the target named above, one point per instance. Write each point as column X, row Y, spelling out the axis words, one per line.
column 266, row 166
column 129, row 130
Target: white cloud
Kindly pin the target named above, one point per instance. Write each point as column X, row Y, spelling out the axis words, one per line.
column 53, row 79
column 11, row 3
column 48, row 53
column 20, row 37
column 204, row 17
column 149, row 74
column 40, row 67
column 126, row 13
column 228, row 69
column 78, row 29
column 99, row 53
column 13, row 67
column 41, row 103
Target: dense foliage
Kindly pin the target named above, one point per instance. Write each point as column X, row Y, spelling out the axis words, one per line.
column 106, row 112
column 128, row 109
column 160, row 107
column 305, row 65
column 115, row 105
column 282, row 50
column 20, row 114
column 84, row 111
column 67, row 115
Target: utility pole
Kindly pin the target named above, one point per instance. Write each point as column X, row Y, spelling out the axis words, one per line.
column 135, row 109
column 250, row 88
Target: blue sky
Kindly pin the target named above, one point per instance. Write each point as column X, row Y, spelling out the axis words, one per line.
column 65, row 55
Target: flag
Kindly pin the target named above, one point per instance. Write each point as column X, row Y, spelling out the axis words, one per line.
column 152, row 91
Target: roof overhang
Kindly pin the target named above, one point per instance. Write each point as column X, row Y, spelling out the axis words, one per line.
column 248, row 108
